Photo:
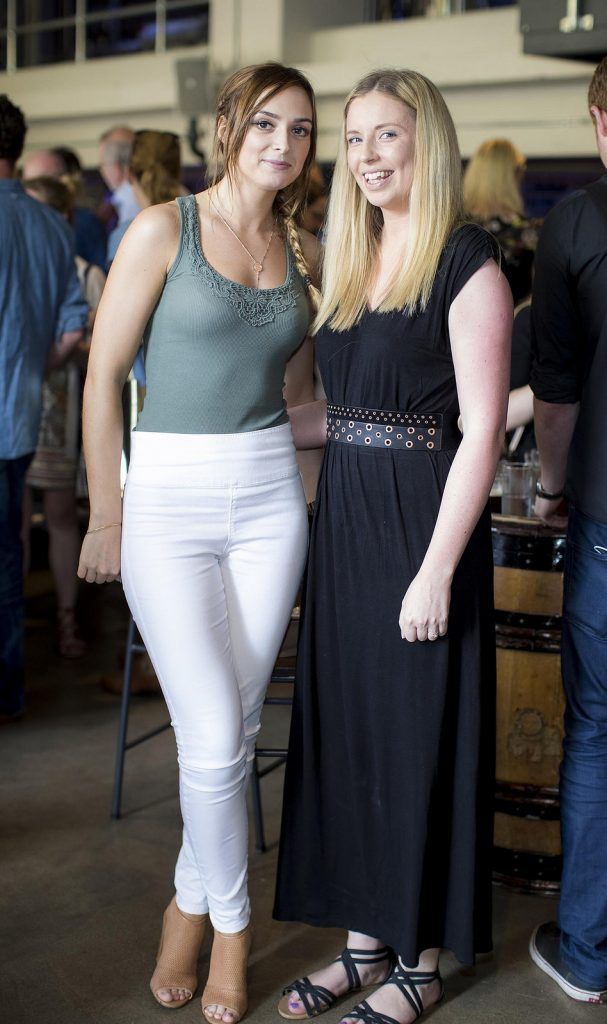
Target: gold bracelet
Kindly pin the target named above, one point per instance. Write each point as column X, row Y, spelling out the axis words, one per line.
column 106, row 527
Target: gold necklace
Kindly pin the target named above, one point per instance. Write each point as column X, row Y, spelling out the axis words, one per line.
column 257, row 265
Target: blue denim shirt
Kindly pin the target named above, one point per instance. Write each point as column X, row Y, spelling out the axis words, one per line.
column 40, row 299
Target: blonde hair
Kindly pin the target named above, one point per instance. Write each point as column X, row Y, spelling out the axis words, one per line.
column 354, row 225
column 156, row 164
column 492, row 181
column 238, row 100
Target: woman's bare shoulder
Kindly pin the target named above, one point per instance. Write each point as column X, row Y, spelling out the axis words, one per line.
column 156, row 223
column 152, row 237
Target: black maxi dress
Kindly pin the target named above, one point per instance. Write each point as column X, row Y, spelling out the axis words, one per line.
column 387, row 816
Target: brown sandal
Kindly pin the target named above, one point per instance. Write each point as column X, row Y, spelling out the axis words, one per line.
column 227, row 983
column 180, row 942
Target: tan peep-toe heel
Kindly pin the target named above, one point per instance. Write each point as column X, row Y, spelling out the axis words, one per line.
column 180, row 942
column 227, row 983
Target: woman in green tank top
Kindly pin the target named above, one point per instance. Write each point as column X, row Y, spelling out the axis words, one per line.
column 212, row 537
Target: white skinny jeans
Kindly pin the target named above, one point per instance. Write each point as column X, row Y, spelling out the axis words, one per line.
column 213, row 548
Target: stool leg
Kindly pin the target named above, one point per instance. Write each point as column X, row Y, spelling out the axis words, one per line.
column 124, row 721
column 260, row 839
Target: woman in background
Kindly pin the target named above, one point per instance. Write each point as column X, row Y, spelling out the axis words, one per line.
column 154, row 172
column 493, row 198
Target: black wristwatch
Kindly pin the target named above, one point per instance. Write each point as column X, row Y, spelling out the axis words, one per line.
column 548, row 495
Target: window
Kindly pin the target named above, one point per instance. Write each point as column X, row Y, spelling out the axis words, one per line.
column 45, row 46
column 34, row 32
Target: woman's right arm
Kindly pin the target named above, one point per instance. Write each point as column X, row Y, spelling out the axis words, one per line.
column 134, row 284
column 309, row 424
column 307, row 416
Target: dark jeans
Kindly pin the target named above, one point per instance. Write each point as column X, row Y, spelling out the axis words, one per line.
column 583, row 907
column 12, row 480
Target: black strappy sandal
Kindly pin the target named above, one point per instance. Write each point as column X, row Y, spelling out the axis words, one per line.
column 317, row 999
column 407, row 983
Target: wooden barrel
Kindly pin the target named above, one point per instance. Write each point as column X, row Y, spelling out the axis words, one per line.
column 528, row 559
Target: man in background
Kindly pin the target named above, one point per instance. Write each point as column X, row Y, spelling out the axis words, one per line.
column 62, row 163
column 43, row 317
column 115, row 147
column 569, row 380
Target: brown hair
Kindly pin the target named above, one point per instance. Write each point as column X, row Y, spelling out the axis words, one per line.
column 238, row 100
column 52, row 192
column 156, row 164
column 597, row 90
column 317, row 187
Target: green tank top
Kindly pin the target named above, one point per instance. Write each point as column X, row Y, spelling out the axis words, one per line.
column 215, row 351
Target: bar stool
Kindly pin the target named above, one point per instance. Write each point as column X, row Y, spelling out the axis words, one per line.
column 134, row 645
column 278, row 755
column 280, row 674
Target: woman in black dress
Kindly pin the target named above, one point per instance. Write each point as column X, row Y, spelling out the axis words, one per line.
column 387, row 810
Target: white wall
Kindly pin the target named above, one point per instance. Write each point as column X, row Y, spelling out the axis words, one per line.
column 492, row 88
column 476, row 59
column 73, row 104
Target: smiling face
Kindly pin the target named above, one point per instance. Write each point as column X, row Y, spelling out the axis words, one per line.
column 380, row 140
column 277, row 141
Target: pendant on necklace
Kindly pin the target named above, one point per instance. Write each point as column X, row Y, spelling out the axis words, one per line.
column 257, row 267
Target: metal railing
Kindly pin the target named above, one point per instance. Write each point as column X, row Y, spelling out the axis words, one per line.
column 75, row 27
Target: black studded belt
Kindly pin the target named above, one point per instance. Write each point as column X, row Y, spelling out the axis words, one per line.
column 378, row 428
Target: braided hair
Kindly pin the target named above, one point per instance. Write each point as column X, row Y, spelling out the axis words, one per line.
column 294, row 239
column 12, row 130
column 238, row 100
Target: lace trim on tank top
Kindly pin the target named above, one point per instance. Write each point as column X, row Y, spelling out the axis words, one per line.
column 255, row 306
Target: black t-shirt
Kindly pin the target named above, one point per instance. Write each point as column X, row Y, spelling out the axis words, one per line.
column 520, row 372
column 520, row 367
column 517, row 239
column 569, row 334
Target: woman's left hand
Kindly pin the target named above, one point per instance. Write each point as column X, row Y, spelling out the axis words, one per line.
column 424, row 612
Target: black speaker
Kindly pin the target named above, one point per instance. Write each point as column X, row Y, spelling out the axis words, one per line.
column 194, row 86
column 565, row 28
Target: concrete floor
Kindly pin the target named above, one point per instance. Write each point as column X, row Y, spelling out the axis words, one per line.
column 82, row 896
